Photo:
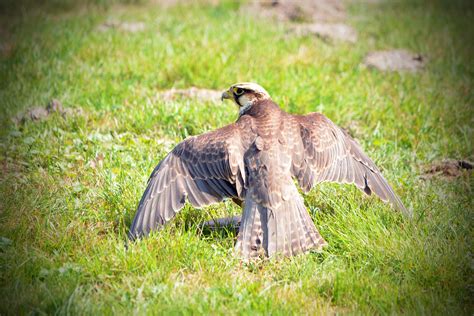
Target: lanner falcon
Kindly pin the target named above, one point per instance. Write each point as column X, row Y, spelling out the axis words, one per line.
column 254, row 161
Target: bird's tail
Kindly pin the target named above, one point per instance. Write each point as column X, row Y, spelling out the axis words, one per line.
column 285, row 229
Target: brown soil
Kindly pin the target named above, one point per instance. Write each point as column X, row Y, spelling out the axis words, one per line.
column 191, row 93
column 395, row 60
column 448, row 168
column 298, row 11
column 39, row 113
column 328, row 31
column 131, row 27
column 6, row 44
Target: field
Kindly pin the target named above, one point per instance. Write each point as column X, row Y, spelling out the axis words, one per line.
column 70, row 183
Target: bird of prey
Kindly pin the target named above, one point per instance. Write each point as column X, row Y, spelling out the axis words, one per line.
column 255, row 161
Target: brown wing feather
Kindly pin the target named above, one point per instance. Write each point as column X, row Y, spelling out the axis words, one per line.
column 202, row 169
column 327, row 153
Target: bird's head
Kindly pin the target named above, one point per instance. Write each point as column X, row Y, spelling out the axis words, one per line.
column 245, row 94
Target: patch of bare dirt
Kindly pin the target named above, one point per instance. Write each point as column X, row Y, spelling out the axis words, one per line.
column 6, row 48
column 298, row 11
column 6, row 43
column 448, row 168
column 327, row 31
column 395, row 60
column 39, row 113
column 132, row 27
column 199, row 94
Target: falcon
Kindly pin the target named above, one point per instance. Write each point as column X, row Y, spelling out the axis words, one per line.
column 255, row 161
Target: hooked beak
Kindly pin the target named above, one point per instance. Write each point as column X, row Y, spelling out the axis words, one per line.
column 226, row 95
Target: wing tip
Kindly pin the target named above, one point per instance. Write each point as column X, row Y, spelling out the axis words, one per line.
column 134, row 233
column 398, row 204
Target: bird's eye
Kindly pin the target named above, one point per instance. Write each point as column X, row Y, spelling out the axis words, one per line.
column 238, row 91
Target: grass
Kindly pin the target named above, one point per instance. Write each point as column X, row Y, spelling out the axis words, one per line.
column 70, row 186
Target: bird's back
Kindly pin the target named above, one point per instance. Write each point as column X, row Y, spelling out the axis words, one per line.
column 268, row 158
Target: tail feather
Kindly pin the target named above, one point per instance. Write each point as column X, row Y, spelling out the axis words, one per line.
column 249, row 240
column 296, row 242
column 284, row 229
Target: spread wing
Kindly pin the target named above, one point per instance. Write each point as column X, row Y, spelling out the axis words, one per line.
column 202, row 170
column 327, row 153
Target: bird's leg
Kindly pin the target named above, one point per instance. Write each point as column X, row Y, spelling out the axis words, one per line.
column 233, row 221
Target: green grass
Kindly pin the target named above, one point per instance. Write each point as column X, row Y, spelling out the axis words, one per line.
column 63, row 222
